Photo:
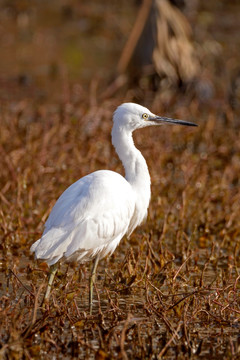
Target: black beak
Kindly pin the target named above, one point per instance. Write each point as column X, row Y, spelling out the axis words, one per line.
column 159, row 119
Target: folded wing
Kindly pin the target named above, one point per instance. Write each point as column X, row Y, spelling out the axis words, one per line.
column 91, row 216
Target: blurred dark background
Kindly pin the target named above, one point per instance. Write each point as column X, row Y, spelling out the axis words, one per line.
column 45, row 46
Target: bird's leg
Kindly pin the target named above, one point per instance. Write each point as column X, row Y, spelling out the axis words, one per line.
column 52, row 273
column 92, row 281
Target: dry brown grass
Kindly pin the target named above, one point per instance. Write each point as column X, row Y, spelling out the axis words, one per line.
column 172, row 290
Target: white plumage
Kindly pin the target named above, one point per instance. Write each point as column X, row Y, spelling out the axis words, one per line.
column 90, row 218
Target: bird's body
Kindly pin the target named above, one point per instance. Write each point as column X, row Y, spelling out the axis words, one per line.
column 90, row 218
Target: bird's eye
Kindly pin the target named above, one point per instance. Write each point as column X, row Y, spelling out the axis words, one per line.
column 145, row 116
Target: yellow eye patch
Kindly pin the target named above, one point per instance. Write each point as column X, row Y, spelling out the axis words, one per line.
column 145, row 116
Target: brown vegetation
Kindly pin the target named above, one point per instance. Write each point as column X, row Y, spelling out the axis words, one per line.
column 172, row 290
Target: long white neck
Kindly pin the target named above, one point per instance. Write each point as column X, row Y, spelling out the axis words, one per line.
column 136, row 170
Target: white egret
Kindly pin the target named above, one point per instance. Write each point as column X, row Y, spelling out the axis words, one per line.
column 91, row 216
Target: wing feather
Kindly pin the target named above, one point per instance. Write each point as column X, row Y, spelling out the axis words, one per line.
column 88, row 216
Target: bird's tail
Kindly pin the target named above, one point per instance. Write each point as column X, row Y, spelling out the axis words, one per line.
column 51, row 246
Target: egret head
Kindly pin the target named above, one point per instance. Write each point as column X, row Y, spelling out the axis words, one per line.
column 133, row 116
